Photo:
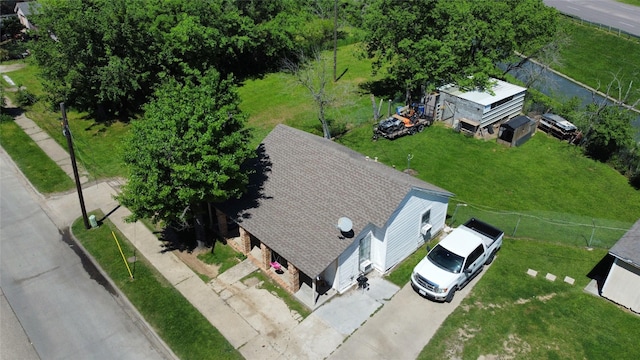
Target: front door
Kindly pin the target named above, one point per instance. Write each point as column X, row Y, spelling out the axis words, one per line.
column 365, row 252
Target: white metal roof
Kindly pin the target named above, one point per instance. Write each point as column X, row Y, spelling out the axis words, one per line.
column 501, row 89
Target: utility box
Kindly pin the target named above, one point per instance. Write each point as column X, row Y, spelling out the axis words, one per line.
column 93, row 221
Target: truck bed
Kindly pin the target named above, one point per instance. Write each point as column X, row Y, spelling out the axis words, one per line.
column 490, row 233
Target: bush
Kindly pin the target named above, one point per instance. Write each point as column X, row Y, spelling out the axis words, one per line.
column 25, row 98
column 5, row 118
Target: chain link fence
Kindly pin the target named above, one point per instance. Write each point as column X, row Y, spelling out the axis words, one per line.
column 607, row 28
column 561, row 228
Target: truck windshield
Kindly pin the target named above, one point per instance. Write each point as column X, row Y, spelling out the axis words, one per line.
column 445, row 259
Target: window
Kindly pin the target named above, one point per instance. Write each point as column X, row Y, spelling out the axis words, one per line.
column 365, row 249
column 500, row 102
column 425, row 224
column 474, row 256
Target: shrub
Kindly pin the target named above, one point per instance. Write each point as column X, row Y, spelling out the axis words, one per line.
column 25, row 98
column 5, row 118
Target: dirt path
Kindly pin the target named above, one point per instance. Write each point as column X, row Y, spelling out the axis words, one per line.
column 191, row 260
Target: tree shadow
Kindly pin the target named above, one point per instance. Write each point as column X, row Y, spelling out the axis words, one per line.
column 385, row 88
column 259, row 167
column 13, row 111
column 178, row 239
column 342, row 74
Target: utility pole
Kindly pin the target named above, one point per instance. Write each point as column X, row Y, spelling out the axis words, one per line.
column 335, row 40
column 67, row 133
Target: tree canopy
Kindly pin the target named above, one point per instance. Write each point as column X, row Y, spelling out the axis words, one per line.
column 608, row 131
column 187, row 149
column 434, row 42
column 107, row 56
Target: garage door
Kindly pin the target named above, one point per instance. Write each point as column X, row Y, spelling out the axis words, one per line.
column 623, row 285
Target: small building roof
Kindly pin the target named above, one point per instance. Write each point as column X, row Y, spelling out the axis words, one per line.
column 501, row 90
column 628, row 247
column 27, row 8
column 518, row 121
column 304, row 183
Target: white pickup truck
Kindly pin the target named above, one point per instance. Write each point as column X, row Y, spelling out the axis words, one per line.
column 456, row 260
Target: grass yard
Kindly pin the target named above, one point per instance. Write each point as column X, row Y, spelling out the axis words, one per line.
column 543, row 179
column 607, row 56
column 43, row 173
column 189, row 334
column 96, row 144
column 223, row 255
column 510, row 314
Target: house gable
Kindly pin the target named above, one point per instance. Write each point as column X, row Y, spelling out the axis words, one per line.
column 622, row 284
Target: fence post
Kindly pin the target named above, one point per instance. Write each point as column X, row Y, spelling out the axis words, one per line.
column 516, row 228
column 593, row 231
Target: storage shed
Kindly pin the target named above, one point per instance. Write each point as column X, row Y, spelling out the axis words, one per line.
column 477, row 111
column 318, row 214
column 622, row 284
column 516, row 131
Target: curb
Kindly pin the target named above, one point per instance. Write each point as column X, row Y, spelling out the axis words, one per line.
column 127, row 306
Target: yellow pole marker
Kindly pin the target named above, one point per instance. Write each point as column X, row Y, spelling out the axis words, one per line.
column 121, row 253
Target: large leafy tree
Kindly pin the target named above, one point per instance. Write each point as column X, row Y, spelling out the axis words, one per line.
column 187, row 149
column 428, row 43
column 608, row 131
column 107, row 56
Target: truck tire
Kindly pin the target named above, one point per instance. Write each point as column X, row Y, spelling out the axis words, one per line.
column 490, row 258
column 451, row 294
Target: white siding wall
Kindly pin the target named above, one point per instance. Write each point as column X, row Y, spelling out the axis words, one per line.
column 403, row 236
column 507, row 110
column 378, row 250
column 348, row 267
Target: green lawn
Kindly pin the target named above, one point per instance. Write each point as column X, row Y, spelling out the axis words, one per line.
column 97, row 144
column 187, row 332
column 630, row 2
column 608, row 57
column 223, row 255
column 43, row 173
column 510, row 314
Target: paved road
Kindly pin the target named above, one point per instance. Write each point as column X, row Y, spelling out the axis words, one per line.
column 607, row 12
column 52, row 296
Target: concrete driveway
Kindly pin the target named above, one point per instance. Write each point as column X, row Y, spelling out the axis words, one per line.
column 402, row 328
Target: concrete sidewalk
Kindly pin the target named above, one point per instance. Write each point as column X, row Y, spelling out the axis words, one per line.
column 56, row 152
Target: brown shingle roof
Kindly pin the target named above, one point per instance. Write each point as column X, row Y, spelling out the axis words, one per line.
column 311, row 182
column 628, row 247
